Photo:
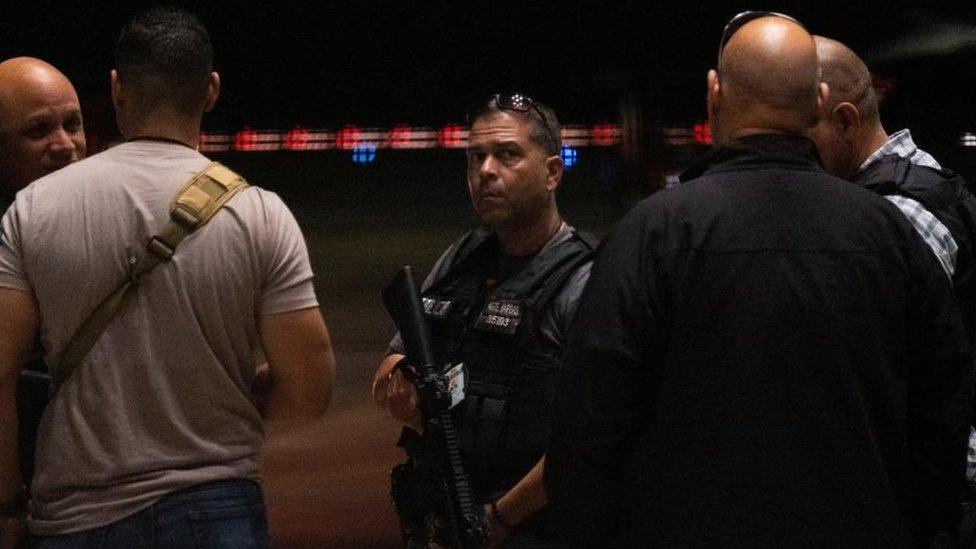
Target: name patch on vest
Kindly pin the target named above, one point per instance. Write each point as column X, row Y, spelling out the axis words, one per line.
column 437, row 308
column 500, row 316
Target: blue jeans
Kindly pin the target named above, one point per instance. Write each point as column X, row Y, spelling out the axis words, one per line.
column 223, row 514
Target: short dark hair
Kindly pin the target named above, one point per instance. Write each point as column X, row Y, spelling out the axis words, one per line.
column 167, row 53
column 546, row 131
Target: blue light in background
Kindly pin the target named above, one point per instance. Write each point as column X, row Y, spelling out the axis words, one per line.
column 364, row 154
column 570, row 156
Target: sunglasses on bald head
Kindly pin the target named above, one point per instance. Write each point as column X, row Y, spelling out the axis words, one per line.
column 740, row 21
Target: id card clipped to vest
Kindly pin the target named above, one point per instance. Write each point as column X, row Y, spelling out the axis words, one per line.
column 456, row 379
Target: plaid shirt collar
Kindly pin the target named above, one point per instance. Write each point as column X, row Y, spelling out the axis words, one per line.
column 901, row 144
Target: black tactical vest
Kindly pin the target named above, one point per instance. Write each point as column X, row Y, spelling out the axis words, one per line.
column 951, row 200
column 493, row 329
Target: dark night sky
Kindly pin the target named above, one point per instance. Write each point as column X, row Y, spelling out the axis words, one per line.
column 383, row 62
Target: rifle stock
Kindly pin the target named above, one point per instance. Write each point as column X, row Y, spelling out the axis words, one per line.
column 455, row 517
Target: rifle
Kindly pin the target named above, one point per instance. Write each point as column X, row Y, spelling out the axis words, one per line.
column 431, row 492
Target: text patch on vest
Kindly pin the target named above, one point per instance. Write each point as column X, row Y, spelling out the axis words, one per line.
column 500, row 316
column 437, row 308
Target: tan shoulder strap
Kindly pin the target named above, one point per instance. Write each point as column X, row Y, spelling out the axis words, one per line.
column 194, row 205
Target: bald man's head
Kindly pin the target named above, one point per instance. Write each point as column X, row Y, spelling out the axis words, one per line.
column 767, row 80
column 40, row 122
column 849, row 127
column 848, row 77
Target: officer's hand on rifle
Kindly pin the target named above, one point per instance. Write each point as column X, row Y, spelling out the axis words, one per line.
column 394, row 390
column 497, row 532
column 401, row 400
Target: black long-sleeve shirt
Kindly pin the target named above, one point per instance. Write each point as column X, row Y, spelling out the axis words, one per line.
column 764, row 355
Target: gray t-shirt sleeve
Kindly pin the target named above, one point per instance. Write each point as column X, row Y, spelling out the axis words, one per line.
column 12, row 273
column 287, row 274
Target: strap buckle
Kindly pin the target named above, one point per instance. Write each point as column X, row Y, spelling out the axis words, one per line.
column 161, row 248
column 182, row 215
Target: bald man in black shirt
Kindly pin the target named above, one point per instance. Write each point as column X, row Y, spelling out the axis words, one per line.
column 765, row 355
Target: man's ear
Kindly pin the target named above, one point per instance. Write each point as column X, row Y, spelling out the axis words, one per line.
column 116, row 88
column 213, row 91
column 823, row 94
column 848, row 117
column 554, row 172
column 714, row 91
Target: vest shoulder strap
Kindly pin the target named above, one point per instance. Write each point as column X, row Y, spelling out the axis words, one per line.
column 194, row 205
column 540, row 280
column 886, row 176
column 942, row 192
column 464, row 248
column 573, row 253
column 935, row 189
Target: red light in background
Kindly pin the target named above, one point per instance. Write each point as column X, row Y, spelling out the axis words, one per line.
column 702, row 132
column 399, row 136
column 348, row 137
column 604, row 134
column 202, row 143
column 296, row 138
column 449, row 136
column 404, row 136
column 245, row 139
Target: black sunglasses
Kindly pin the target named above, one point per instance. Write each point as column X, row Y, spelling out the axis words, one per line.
column 519, row 103
column 516, row 102
column 740, row 21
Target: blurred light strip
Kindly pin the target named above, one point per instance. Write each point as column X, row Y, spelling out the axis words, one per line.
column 451, row 136
column 678, row 135
column 699, row 133
column 967, row 139
column 576, row 136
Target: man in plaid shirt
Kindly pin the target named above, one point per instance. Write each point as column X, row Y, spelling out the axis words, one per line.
column 853, row 145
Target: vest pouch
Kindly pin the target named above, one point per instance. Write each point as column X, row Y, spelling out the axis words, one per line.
column 529, row 418
column 482, row 418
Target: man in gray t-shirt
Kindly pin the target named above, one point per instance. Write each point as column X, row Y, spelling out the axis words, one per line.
column 160, row 415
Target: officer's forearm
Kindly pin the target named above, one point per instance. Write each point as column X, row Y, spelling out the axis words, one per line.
column 527, row 497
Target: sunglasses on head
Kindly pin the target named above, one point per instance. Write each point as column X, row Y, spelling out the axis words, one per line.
column 516, row 102
column 519, row 103
column 740, row 21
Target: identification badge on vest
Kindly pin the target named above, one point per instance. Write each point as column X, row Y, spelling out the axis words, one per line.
column 500, row 316
column 456, row 380
column 437, row 308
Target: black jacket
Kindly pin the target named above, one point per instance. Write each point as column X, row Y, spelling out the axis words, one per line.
column 764, row 356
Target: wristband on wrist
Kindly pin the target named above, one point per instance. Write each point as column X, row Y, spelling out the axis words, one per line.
column 497, row 517
column 15, row 506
